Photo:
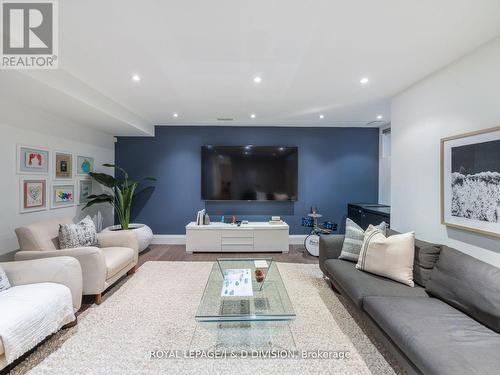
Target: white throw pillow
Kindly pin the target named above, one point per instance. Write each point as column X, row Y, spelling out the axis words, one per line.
column 391, row 257
column 4, row 281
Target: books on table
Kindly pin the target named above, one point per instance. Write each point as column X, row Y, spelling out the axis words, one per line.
column 237, row 283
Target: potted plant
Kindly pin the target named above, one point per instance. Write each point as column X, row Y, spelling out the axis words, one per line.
column 121, row 195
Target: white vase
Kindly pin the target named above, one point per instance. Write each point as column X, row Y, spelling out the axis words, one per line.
column 142, row 231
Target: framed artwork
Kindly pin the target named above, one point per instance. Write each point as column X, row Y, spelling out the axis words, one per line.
column 33, row 194
column 62, row 195
column 470, row 181
column 84, row 165
column 63, row 168
column 84, row 190
column 32, row 160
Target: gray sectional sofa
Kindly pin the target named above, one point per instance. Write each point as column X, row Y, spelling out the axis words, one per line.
column 449, row 323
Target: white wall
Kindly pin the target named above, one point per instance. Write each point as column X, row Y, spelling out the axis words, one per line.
column 23, row 125
column 463, row 97
column 384, row 169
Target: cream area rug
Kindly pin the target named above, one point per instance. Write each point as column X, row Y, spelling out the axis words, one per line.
column 155, row 308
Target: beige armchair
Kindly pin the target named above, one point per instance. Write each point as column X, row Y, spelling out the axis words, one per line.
column 46, row 291
column 102, row 266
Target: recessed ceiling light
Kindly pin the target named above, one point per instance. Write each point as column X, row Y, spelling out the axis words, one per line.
column 380, row 117
column 136, row 78
column 364, row 80
column 175, row 115
column 257, row 79
column 321, row 117
column 252, row 115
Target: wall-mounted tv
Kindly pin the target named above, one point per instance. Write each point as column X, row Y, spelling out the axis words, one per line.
column 249, row 173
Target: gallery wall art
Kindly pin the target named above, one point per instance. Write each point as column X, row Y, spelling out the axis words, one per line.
column 63, row 168
column 33, row 194
column 84, row 165
column 84, row 191
column 62, row 195
column 470, row 181
column 32, row 160
column 59, row 166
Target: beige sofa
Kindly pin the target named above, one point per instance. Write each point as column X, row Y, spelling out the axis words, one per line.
column 116, row 255
column 44, row 296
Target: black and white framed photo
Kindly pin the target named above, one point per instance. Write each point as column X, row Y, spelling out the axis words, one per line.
column 470, row 181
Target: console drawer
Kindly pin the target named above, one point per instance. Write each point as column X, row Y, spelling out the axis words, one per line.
column 237, row 247
column 237, row 233
column 237, row 241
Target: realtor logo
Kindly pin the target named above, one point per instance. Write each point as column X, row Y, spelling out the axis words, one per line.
column 29, row 34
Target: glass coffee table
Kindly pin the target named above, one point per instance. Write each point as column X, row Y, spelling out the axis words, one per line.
column 242, row 309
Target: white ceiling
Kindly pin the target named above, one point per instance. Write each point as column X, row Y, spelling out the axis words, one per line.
column 198, row 58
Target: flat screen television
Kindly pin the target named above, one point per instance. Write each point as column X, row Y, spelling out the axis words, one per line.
column 249, row 173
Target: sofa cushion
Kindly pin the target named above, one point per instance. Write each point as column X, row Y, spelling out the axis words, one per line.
column 4, row 280
column 117, row 258
column 353, row 240
column 437, row 338
column 468, row 284
column 358, row 284
column 390, row 257
column 42, row 235
column 426, row 256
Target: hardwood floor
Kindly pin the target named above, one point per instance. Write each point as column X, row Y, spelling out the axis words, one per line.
column 173, row 253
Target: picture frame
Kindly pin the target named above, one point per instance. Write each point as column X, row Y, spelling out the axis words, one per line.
column 84, row 165
column 32, row 194
column 470, row 181
column 62, row 195
column 63, row 165
column 32, row 160
column 84, row 190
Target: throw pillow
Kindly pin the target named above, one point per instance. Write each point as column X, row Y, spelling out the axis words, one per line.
column 4, row 281
column 81, row 234
column 426, row 257
column 353, row 240
column 391, row 257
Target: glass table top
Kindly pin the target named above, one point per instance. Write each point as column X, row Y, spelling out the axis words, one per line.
column 236, row 292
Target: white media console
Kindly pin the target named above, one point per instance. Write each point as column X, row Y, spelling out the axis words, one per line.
column 251, row 237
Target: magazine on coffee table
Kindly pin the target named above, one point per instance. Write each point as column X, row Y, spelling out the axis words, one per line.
column 237, row 283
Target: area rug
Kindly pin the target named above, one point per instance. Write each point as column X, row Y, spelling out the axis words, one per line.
column 155, row 308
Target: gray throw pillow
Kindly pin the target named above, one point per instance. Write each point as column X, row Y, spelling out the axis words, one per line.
column 4, row 281
column 353, row 241
column 81, row 234
column 467, row 284
column 426, row 256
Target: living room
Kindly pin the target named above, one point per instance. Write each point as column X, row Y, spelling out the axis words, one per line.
column 236, row 188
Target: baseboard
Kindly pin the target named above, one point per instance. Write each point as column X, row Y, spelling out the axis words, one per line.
column 297, row 239
column 169, row 239
column 180, row 239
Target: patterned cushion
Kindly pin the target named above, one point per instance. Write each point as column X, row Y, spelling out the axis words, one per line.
column 4, row 281
column 353, row 241
column 78, row 235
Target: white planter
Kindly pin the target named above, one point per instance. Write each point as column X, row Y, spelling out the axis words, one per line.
column 143, row 232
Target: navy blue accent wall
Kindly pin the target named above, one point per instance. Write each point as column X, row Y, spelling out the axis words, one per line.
column 336, row 166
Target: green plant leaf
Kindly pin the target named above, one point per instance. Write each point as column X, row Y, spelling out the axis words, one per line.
column 125, row 174
column 100, row 196
column 104, row 179
column 149, row 178
column 97, row 201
